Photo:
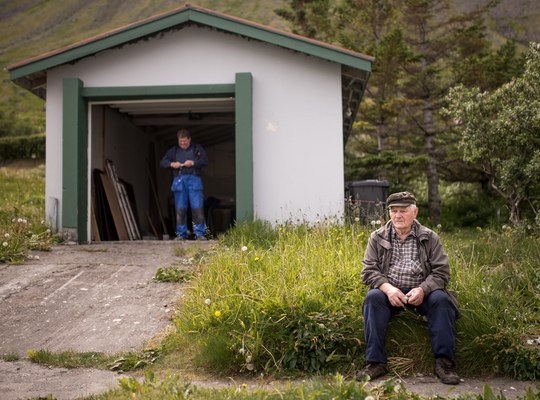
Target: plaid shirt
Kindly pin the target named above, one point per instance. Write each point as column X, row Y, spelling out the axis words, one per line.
column 405, row 269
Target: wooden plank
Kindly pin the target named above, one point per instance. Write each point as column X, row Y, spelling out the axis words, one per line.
column 95, row 231
column 112, row 199
column 119, row 198
column 104, row 217
column 125, row 206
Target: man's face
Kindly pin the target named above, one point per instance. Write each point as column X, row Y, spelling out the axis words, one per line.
column 403, row 217
column 184, row 142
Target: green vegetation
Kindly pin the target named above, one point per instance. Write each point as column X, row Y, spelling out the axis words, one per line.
column 286, row 302
column 22, row 211
column 501, row 131
column 35, row 27
column 173, row 274
column 9, row 357
column 117, row 362
column 291, row 302
column 329, row 388
column 22, row 147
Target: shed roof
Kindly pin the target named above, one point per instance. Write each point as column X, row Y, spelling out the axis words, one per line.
column 356, row 67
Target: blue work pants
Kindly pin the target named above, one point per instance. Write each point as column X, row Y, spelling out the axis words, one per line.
column 188, row 189
column 441, row 316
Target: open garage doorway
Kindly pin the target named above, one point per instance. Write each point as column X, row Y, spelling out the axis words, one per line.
column 133, row 136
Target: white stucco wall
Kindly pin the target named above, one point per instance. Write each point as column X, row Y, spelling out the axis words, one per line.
column 297, row 121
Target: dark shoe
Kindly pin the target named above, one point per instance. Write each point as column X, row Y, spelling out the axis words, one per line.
column 372, row 370
column 445, row 371
column 201, row 238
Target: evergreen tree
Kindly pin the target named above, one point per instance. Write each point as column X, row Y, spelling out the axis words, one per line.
column 421, row 49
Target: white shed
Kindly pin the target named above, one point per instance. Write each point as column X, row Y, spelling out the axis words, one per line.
column 271, row 109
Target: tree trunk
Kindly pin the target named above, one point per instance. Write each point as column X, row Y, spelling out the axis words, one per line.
column 514, row 211
column 434, row 199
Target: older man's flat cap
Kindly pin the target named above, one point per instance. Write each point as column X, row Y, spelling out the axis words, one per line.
column 401, row 199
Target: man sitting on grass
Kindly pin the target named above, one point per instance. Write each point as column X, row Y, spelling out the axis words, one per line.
column 405, row 265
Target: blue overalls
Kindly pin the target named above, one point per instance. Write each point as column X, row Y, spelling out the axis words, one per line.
column 187, row 188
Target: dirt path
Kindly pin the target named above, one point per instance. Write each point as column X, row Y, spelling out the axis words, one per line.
column 101, row 297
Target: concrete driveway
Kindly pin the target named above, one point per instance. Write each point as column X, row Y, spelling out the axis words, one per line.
column 99, row 297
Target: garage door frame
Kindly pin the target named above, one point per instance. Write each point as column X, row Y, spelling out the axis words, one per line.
column 75, row 139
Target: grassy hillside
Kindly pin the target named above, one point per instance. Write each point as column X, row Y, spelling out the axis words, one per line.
column 33, row 27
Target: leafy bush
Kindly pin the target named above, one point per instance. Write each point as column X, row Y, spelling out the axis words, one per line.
column 22, row 147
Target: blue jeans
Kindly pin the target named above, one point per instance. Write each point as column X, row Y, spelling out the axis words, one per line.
column 441, row 317
column 189, row 190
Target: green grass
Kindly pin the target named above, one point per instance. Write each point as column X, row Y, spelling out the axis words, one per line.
column 333, row 387
column 173, row 274
column 35, row 27
column 10, row 357
column 22, row 211
column 121, row 362
column 289, row 303
column 286, row 302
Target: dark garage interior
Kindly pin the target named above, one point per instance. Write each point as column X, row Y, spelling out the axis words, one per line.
column 130, row 192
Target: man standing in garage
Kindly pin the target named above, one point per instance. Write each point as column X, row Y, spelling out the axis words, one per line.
column 186, row 161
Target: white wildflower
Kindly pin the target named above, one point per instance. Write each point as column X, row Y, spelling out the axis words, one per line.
column 5, row 244
column 36, row 257
column 378, row 222
column 439, row 226
column 373, row 223
column 356, row 219
column 207, row 301
column 244, row 248
column 19, row 220
column 6, row 235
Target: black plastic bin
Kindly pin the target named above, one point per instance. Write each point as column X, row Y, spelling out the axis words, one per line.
column 366, row 199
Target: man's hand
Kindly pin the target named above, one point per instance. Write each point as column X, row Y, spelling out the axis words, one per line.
column 416, row 296
column 395, row 296
column 189, row 163
column 176, row 165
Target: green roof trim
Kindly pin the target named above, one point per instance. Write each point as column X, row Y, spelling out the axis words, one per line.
column 179, row 17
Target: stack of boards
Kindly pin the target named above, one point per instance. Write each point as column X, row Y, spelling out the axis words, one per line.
column 112, row 204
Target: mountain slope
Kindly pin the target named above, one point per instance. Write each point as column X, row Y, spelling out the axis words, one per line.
column 33, row 27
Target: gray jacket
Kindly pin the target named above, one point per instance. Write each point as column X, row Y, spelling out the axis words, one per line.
column 433, row 258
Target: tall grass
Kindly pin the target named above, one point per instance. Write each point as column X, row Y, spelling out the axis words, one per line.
column 289, row 300
column 498, row 281
column 22, row 211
